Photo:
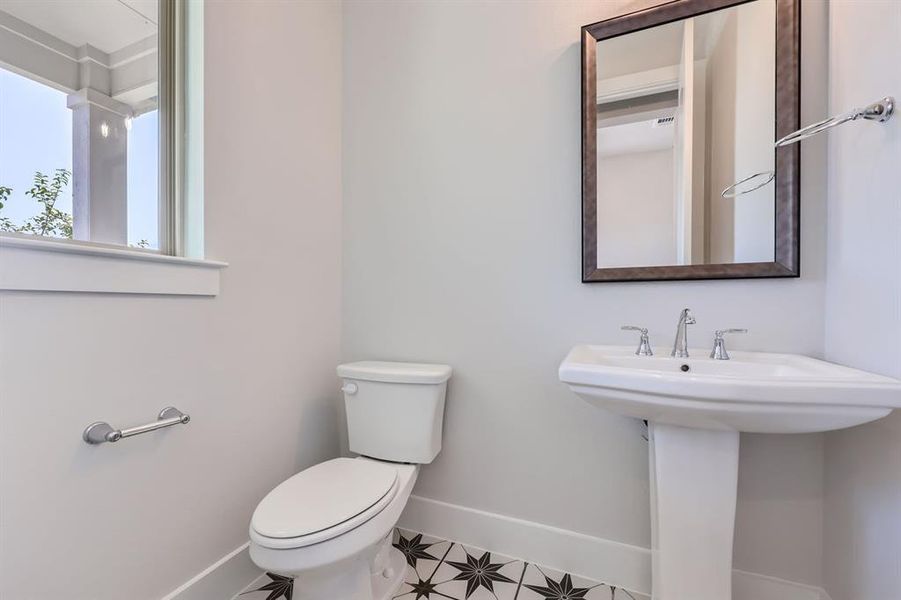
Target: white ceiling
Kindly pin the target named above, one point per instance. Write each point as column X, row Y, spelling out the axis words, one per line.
column 108, row 25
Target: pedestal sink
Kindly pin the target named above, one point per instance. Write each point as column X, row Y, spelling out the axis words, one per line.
column 696, row 407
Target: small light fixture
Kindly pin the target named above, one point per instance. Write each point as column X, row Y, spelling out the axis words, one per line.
column 128, row 121
column 104, row 129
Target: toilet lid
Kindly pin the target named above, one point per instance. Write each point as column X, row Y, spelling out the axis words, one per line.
column 323, row 496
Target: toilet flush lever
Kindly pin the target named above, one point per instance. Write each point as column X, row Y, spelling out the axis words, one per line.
column 349, row 388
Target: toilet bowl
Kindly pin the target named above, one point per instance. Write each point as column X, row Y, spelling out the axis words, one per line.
column 341, row 548
column 331, row 524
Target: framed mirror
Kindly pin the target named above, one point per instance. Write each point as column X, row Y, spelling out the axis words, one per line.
column 681, row 106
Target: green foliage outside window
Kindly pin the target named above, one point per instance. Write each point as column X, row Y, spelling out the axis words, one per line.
column 51, row 221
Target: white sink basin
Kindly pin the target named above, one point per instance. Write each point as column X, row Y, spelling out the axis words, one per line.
column 696, row 408
column 754, row 391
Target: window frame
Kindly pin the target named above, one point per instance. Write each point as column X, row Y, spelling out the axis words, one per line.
column 170, row 79
column 178, row 266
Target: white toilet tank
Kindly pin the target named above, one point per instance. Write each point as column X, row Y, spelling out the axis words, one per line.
column 395, row 410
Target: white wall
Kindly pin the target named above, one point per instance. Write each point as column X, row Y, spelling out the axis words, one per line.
column 863, row 300
column 755, row 93
column 741, row 94
column 636, row 220
column 461, row 245
column 779, row 518
column 254, row 366
column 722, row 103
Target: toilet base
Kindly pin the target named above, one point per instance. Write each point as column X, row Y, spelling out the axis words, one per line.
column 378, row 578
column 387, row 582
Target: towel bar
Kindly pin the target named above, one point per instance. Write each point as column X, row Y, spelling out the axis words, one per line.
column 100, row 431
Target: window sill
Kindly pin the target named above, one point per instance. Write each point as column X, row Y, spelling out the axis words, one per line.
column 28, row 264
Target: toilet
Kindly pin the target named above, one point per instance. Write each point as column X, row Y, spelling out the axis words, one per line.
column 331, row 524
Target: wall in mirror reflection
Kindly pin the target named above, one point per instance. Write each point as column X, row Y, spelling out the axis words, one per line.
column 684, row 110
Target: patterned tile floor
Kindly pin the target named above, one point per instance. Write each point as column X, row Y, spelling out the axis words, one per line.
column 442, row 570
column 439, row 570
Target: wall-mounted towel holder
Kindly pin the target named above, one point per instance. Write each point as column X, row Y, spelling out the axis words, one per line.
column 880, row 112
column 100, row 431
column 759, row 180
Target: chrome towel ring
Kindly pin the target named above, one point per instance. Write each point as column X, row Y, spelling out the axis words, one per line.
column 880, row 112
column 732, row 191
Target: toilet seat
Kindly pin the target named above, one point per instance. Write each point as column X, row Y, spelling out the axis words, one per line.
column 323, row 502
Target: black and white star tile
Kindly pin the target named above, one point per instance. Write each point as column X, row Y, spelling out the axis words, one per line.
column 277, row 588
column 443, row 570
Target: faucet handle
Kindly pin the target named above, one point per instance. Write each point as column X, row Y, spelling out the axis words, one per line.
column 719, row 343
column 644, row 344
column 721, row 332
column 643, row 330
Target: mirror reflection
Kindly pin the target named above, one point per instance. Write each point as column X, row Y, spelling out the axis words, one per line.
column 684, row 111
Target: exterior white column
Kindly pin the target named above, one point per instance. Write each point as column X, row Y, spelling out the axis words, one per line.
column 99, row 167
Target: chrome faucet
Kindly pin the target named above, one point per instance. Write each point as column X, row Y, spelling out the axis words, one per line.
column 680, row 346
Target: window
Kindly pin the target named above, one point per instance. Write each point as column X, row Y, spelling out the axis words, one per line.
column 142, row 190
column 35, row 138
column 94, row 113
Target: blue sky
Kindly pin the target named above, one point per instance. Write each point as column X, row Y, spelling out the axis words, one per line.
column 36, row 135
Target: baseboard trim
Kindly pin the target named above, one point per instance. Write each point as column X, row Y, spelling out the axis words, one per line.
column 224, row 578
column 618, row 564
column 754, row 586
column 596, row 558
column 612, row 562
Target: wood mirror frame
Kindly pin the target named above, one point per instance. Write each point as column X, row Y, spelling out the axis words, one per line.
column 788, row 158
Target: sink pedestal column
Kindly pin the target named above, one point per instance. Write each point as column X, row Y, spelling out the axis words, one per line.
column 694, row 478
